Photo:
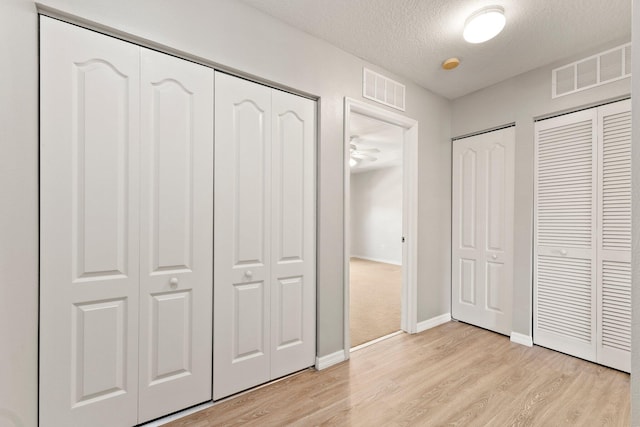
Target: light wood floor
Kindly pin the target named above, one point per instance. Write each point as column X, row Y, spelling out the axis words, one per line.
column 453, row 375
column 374, row 303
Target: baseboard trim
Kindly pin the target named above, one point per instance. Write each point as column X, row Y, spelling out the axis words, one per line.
column 385, row 261
column 330, row 359
column 433, row 322
column 521, row 339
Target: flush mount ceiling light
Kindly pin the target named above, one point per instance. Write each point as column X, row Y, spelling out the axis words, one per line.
column 484, row 24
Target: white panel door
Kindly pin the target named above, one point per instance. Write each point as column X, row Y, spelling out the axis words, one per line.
column 176, row 234
column 565, row 234
column 89, row 169
column 242, row 224
column 482, row 230
column 293, row 282
column 614, row 239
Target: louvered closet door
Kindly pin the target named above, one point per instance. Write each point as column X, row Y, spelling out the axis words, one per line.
column 565, row 234
column 614, row 242
column 176, row 234
column 89, row 167
column 242, row 251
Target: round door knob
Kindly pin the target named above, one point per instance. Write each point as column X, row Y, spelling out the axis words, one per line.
column 248, row 273
column 563, row 252
column 494, row 256
column 173, row 282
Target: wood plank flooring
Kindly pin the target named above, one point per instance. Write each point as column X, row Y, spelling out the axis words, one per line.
column 452, row 375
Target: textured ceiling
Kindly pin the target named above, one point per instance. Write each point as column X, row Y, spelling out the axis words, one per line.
column 413, row 37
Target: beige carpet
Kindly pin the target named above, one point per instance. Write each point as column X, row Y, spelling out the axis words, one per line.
column 374, row 300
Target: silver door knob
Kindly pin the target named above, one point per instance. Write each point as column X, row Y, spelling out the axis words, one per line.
column 173, row 282
column 248, row 273
column 563, row 252
column 494, row 256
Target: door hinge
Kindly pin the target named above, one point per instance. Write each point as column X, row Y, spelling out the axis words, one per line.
column 402, row 239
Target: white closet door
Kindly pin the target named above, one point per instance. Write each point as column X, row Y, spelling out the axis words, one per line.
column 482, row 232
column 242, row 225
column 293, row 234
column 565, row 234
column 176, row 234
column 614, row 241
column 89, row 169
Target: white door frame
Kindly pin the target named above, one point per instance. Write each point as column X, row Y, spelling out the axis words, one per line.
column 409, row 313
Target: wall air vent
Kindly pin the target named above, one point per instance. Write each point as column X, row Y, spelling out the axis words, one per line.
column 382, row 89
column 605, row 67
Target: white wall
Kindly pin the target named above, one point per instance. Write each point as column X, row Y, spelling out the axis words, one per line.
column 223, row 32
column 376, row 215
column 520, row 100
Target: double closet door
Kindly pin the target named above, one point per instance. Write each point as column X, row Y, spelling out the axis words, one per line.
column 482, row 229
column 582, row 272
column 264, row 293
column 126, row 218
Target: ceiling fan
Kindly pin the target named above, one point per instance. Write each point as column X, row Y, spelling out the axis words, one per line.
column 359, row 154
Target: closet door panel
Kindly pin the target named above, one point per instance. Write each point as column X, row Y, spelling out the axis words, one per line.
column 482, row 276
column 176, row 249
column 565, row 240
column 88, row 228
column 293, row 234
column 614, row 243
column 242, row 294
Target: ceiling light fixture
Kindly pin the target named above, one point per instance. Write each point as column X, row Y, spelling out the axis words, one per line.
column 484, row 24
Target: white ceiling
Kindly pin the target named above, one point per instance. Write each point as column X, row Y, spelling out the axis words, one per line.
column 412, row 37
column 367, row 133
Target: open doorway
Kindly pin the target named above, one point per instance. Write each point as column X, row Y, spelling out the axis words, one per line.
column 380, row 223
column 375, row 279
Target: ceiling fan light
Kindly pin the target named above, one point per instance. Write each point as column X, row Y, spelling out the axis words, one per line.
column 484, row 24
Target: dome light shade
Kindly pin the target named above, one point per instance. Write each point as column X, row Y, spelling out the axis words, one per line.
column 484, row 24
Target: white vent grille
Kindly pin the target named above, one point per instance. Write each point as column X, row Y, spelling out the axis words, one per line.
column 596, row 70
column 383, row 90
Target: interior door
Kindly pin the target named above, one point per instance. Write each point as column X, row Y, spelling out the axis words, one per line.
column 89, row 167
column 176, row 234
column 482, row 230
column 293, row 254
column 614, row 240
column 242, row 225
column 565, row 233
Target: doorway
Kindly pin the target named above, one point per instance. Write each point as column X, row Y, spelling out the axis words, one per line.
column 376, row 254
column 375, row 264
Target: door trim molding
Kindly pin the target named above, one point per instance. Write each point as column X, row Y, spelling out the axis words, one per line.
column 409, row 311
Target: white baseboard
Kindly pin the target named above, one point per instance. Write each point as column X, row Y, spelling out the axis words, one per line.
column 368, row 258
column 330, row 359
column 433, row 322
column 521, row 339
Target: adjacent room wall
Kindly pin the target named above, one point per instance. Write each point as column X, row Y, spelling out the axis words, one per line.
column 232, row 34
column 376, row 215
column 520, row 100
